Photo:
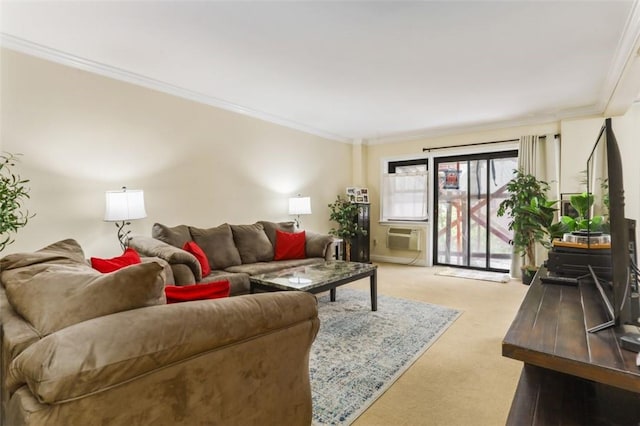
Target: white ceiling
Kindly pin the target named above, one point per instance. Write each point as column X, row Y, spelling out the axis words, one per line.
column 350, row 70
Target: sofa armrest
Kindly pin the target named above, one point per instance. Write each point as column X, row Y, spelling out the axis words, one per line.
column 168, row 271
column 318, row 245
column 101, row 353
column 183, row 274
column 148, row 246
column 15, row 336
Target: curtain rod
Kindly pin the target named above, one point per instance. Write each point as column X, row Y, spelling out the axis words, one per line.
column 483, row 143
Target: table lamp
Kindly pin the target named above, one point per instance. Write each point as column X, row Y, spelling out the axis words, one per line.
column 123, row 206
column 299, row 205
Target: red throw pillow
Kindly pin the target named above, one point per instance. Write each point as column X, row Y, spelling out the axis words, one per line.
column 185, row 293
column 129, row 257
column 289, row 245
column 195, row 250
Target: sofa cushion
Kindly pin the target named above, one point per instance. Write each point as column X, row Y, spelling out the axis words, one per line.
column 252, row 243
column 129, row 257
column 186, row 293
column 65, row 252
column 238, row 282
column 276, row 265
column 176, row 236
column 289, row 245
column 195, row 250
column 217, row 243
column 270, row 229
column 52, row 296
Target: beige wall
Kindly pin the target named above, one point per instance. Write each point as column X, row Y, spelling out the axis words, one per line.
column 578, row 138
column 627, row 130
column 359, row 172
column 82, row 134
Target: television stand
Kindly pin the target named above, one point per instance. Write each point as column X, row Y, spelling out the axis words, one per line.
column 605, row 299
column 570, row 376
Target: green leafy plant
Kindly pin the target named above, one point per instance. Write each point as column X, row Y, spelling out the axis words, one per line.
column 13, row 191
column 345, row 213
column 531, row 215
column 582, row 204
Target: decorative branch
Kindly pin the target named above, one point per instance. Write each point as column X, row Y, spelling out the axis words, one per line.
column 13, row 191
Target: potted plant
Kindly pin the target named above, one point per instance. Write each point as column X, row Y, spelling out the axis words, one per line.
column 531, row 215
column 345, row 213
column 582, row 204
column 13, row 192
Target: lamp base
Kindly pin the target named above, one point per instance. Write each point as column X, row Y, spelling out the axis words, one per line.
column 123, row 236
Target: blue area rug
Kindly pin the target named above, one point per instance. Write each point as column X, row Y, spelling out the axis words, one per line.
column 358, row 353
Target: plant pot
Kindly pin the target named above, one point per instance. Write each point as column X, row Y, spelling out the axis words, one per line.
column 527, row 275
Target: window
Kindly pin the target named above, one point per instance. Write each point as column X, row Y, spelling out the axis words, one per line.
column 404, row 190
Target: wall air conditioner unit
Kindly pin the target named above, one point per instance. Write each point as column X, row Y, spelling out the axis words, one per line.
column 403, row 239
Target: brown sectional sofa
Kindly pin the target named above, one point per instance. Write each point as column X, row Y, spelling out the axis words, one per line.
column 235, row 252
column 84, row 348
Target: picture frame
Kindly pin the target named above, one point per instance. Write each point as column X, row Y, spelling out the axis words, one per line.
column 451, row 179
column 566, row 209
column 357, row 195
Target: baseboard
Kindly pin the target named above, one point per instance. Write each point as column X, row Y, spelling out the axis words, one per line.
column 401, row 260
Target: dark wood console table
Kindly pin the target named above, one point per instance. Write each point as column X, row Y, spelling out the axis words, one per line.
column 570, row 376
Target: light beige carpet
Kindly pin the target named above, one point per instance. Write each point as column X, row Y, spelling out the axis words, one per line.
column 462, row 379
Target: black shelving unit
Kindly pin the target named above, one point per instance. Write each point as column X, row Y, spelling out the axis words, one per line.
column 360, row 246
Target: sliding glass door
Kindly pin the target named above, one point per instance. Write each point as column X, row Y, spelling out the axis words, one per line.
column 470, row 189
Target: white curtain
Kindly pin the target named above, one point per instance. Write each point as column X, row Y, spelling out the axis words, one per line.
column 405, row 196
column 539, row 156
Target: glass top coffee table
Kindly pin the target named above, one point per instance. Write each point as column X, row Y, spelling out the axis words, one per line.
column 317, row 278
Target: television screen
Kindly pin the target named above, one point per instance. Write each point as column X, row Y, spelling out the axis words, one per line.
column 605, row 184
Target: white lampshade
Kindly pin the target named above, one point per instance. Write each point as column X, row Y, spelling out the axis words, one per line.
column 126, row 204
column 300, row 205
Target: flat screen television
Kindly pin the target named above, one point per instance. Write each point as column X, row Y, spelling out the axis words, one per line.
column 605, row 180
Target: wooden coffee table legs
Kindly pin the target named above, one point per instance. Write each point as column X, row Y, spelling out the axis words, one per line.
column 373, row 284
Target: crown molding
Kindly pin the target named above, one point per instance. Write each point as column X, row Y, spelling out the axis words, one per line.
column 54, row 55
column 622, row 86
column 586, row 111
